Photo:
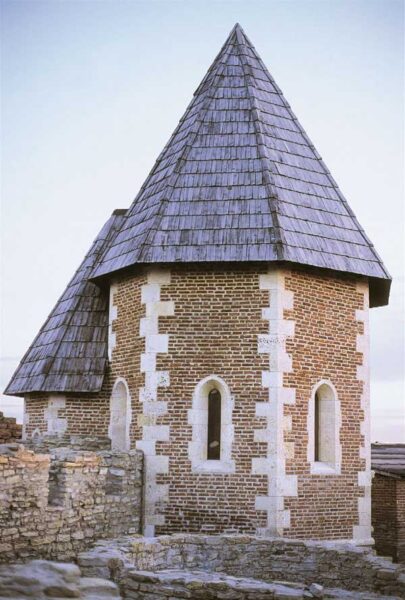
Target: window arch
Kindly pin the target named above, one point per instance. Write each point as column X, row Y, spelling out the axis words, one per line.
column 214, row 425
column 324, row 421
column 210, row 449
column 120, row 416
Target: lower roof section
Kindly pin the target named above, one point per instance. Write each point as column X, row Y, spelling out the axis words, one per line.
column 69, row 354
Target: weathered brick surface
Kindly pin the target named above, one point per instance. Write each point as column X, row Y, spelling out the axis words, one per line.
column 89, row 414
column 53, row 505
column 10, row 430
column 401, row 521
column 388, row 516
column 214, row 330
column 324, row 347
column 218, row 316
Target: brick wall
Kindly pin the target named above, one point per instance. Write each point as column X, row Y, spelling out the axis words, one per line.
column 10, row 431
column 388, row 516
column 54, row 505
column 213, row 330
column 324, row 347
column 401, row 520
column 89, row 414
column 384, row 515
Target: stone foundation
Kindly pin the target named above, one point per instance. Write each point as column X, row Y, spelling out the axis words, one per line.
column 199, row 585
column 332, row 565
column 57, row 504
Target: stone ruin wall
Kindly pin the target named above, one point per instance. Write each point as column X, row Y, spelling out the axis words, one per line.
column 56, row 504
column 157, row 565
column 10, row 430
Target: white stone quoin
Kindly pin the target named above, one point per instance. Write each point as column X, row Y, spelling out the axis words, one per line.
column 280, row 484
column 155, row 495
column 55, row 424
column 362, row 533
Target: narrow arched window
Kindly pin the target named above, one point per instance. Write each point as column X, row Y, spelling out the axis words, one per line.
column 120, row 416
column 210, row 449
column 214, row 425
column 324, row 450
column 317, row 430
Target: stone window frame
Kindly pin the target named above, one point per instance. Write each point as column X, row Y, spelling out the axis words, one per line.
column 128, row 420
column 198, row 418
column 332, row 467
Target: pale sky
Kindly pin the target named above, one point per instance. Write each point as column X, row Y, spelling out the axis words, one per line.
column 91, row 91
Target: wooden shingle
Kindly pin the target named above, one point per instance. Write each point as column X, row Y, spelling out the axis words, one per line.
column 238, row 181
column 240, row 150
column 69, row 354
column 388, row 459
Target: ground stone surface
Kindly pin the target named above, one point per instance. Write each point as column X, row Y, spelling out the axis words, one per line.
column 200, row 585
column 331, row 566
column 42, row 580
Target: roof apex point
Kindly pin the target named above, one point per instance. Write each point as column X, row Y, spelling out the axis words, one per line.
column 237, row 28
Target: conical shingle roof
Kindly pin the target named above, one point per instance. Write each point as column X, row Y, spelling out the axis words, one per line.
column 239, row 180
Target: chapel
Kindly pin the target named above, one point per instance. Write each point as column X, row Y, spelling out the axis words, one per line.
column 221, row 325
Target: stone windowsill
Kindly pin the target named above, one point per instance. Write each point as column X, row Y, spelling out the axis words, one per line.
column 322, row 468
column 215, row 466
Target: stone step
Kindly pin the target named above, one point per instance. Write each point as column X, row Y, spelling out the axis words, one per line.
column 95, row 588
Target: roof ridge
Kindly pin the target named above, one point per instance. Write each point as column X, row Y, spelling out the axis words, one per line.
column 191, row 135
column 328, row 174
column 216, row 59
column 238, row 112
column 267, row 173
column 161, row 154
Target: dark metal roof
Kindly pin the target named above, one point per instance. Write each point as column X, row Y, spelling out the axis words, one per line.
column 239, row 180
column 70, row 351
column 388, row 459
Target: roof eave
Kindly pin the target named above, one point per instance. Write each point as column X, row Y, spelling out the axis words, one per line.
column 379, row 287
column 22, row 392
column 386, row 473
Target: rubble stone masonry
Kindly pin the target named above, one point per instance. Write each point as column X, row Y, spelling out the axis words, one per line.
column 270, row 347
column 197, row 558
column 54, row 505
column 10, row 431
